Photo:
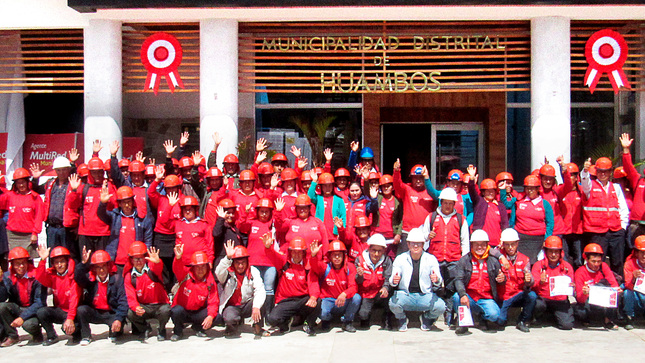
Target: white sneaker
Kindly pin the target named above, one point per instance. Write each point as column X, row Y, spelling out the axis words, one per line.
column 84, row 342
column 403, row 324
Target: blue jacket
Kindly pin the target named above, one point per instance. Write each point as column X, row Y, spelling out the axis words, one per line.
column 37, row 298
column 337, row 210
column 143, row 228
column 116, row 297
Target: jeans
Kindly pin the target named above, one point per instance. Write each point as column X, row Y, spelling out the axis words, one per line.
column 430, row 304
column 487, row 308
column 181, row 316
column 525, row 299
column 634, row 302
column 269, row 274
column 329, row 309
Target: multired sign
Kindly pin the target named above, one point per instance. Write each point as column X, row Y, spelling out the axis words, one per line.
column 42, row 149
column 606, row 52
column 161, row 54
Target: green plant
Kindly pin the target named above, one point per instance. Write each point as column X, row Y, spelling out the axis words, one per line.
column 314, row 129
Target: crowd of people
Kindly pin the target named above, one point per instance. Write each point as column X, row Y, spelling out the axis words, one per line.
column 283, row 246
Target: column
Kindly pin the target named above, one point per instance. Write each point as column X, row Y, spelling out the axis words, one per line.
column 103, row 85
column 550, row 89
column 218, row 84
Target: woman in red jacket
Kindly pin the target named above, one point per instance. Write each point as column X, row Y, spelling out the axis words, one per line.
column 25, row 213
column 192, row 232
column 305, row 225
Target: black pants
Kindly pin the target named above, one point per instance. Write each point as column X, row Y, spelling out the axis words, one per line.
column 87, row 315
column 165, row 243
column 93, row 243
column 287, row 308
column 530, row 246
column 11, row 311
column 613, row 246
column 181, row 316
column 561, row 309
column 573, row 249
column 61, row 236
column 585, row 312
column 367, row 305
column 403, row 246
column 48, row 316
column 233, row 315
column 160, row 312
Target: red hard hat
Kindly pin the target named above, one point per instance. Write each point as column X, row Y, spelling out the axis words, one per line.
column 417, row 170
column 547, row 170
column 17, row 253
column 3, row 181
column 341, row 172
column 374, row 175
column 302, row 200
column 124, row 192
column 336, row 246
column 186, row 162
column 619, row 172
column 503, row 176
column 137, row 167
column 150, row 170
column 265, row 168
column 531, row 181
column 361, row 221
column 59, row 251
column 639, row 243
column 107, row 165
column 99, row 257
column 264, row 203
column 227, row 203
column 386, row 179
column 124, row 163
column 175, row 162
column 298, row 244
column 83, row 170
column 603, row 163
column 488, row 184
column 246, row 175
column 231, row 158
column 572, row 168
column 21, row 173
column 171, row 181
column 279, row 157
column 325, row 178
column 199, row 258
column 289, row 174
column 592, row 170
column 188, row 200
column 137, row 248
column 305, row 176
column 240, row 252
column 214, row 173
column 455, row 174
column 318, row 170
column 95, row 164
column 592, row 248
column 553, row 242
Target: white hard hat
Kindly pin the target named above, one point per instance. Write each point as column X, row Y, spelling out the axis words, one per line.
column 448, row 194
column 61, row 162
column 377, row 240
column 416, row 235
column 509, row 235
column 479, row 235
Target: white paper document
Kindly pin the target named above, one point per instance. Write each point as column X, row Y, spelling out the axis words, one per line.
column 560, row 285
column 465, row 317
column 389, row 241
column 639, row 285
column 603, row 296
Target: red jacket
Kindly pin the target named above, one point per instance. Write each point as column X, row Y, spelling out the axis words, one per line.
column 148, row 290
column 66, row 291
column 542, row 289
column 242, row 200
column 140, row 200
column 90, row 224
column 336, row 281
column 514, row 277
column 416, row 205
column 255, row 230
column 193, row 294
column 295, row 279
column 637, row 184
column 25, row 211
column 352, row 242
column 374, row 276
column 164, row 225
column 601, row 211
column 572, row 217
column 196, row 235
column 585, row 277
column 313, row 229
column 530, row 218
column 631, row 265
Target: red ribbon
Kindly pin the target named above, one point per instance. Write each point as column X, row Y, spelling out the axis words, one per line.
column 606, row 52
column 161, row 54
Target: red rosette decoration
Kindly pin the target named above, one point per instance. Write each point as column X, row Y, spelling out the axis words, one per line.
column 161, row 54
column 606, row 52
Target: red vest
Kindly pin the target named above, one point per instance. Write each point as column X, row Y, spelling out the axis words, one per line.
column 600, row 212
column 529, row 218
column 446, row 246
column 373, row 280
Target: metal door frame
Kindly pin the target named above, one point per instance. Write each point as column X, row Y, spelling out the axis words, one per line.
column 466, row 126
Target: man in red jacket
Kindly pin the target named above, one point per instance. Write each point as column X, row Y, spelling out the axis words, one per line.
column 594, row 273
column 67, row 293
column 634, row 276
column 197, row 300
column 373, row 271
column 637, row 185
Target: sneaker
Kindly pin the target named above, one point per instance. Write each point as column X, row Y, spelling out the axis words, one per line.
column 403, row 324
column 629, row 325
column 175, row 338
column 309, row 330
column 85, row 342
column 201, row 334
column 325, row 326
column 523, row 327
column 349, row 327
column 610, row 325
column 112, row 339
column 461, row 330
column 426, row 324
column 50, row 341
column 161, row 337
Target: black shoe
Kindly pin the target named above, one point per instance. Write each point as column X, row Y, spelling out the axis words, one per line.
column 175, row 338
column 490, row 327
column 201, row 334
column 144, row 336
column 325, row 326
column 387, row 324
column 349, row 327
column 461, row 330
column 50, row 341
column 309, row 330
column 36, row 339
column 231, row 332
column 521, row 326
column 629, row 324
column 364, row 325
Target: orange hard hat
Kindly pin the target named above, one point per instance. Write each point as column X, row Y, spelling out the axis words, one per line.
column 186, row 162
column 240, row 252
column 592, row 248
column 124, row 192
column 302, row 200
column 386, row 179
column 21, row 173
column 289, row 174
column 227, row 203
column 417, row 170
column 231, row 158
column 265, row 168
column 150, row 170
column 199, row 258
column 553, row 242
column 455, row 174
column 99, row 257
column 547, row 170
column 137, row 248
column 279, row 157
column 175, row 162
column 342, row 172
column 82, row 170
column 325, row 178
column 247, row 175
column 59, row 251
column 171, row 181
column 305, row 176
column 137, row 167
column 488, row 184
column 3, row 181
column 124, row 163
column 17, row 253
column 95, row 164
column 214, row 173
column 374, row 175
column 298, row 244
column 361, row 221
column 619, row 172
column 572, row 168
column 107, row 165
column 187, row 201
column 531, row 181
column 603, row 163
column 318, row 170
column 264, row 203
column 503, row 176
column 639, row 243
column 336, row 246
column 592, row 170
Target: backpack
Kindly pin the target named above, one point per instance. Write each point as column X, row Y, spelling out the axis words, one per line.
column 460, row 220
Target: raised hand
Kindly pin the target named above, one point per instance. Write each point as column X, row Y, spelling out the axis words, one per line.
column 96, row 146
column 114, row 147
column 315, row 248
column 197, row 157
column 261, row 144
column 183, row 138
column 105, row 193
column 365, row 172
column 279, row 204
column 217, row 139
column 471, row 170
column 587, row 165
column 560, row 161
column 374, row 191
column 314, row 176
column 179, row 251
column 275, row 180
column 220, row 212
column 153, row 255
column 543, row 277
column 173, row 198
column 328, row 154
column 85, row 255
column 625, row 142
column 425, row 173
column 229, row 247
column 295, row 151
column 354, row 145
column 262, row 155
column 267, row 239
column 357, row 169
column 35, row 170
column 397, row 165
column 74, row 182
column 302, row 162
column 43, row 252
column 159, row 172
column 139, row 156
column 338, row 222
column 73, row 155
column 360, row 271
column 170, row 147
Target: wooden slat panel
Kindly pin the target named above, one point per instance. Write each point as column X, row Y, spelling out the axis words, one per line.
column 134, row 73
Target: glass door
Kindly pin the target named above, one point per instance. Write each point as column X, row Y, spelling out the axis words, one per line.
column 455, row 146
